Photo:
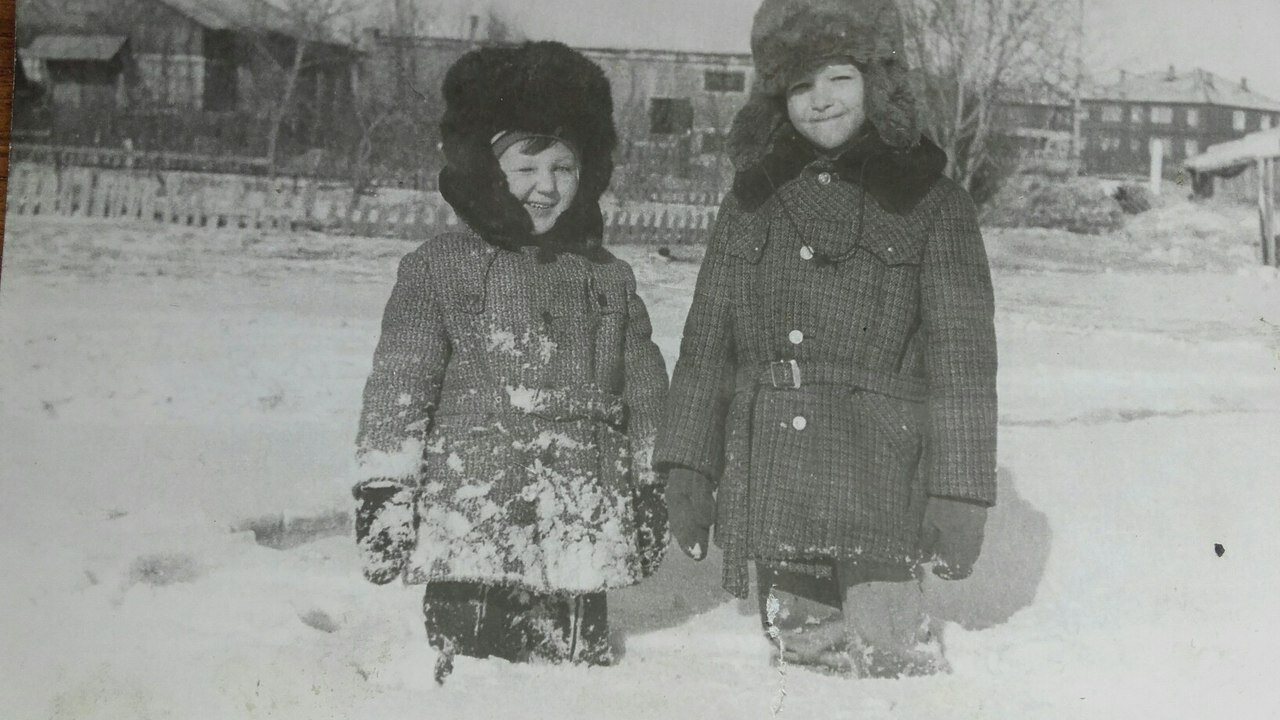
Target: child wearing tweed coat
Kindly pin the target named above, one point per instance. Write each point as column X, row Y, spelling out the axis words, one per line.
column 508, row 423
column 833, row 409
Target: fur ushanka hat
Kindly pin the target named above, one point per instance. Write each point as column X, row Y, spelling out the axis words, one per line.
column 790, row 37
column 544, row 88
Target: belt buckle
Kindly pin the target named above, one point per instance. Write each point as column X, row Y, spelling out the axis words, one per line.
column 784, row 374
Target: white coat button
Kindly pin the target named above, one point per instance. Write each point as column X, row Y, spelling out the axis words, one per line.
column 824, row 178
column 796, row 337
column 799, row 423
column 806, row 253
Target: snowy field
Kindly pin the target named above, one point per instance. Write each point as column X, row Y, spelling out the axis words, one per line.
column 160, row 387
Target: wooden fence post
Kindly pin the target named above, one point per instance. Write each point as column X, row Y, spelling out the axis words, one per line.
column 1269, row 181
column 1155, row 149
column 1264, row 219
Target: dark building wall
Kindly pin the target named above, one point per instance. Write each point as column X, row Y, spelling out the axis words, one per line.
column 659, row 96
column 671, row 109
column 1117, row 133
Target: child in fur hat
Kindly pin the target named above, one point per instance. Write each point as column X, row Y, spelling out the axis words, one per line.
column 506, row 437
column 833, row 410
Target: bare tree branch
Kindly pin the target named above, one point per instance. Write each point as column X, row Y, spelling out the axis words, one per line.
column 968, row 55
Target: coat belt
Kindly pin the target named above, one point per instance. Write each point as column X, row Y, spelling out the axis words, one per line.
column 795, row 374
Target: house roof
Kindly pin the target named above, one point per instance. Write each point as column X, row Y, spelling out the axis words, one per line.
column 1229, row 156
column 1198, row 87
column 76, row 47
column 252, row 15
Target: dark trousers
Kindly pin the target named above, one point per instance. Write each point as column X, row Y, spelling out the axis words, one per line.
column 479, row 620
column 881, row 620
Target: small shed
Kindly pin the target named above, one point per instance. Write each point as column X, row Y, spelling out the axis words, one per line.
column 83, row 71
column 1253, row 156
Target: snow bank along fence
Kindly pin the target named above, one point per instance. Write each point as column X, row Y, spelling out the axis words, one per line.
column 203, row 200
column 179, row 198
column 640, row 223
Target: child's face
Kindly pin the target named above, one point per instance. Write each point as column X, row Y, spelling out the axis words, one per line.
column 544, row 182
column 826, row 106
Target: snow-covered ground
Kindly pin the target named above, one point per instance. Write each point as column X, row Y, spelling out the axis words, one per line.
column 161, row 386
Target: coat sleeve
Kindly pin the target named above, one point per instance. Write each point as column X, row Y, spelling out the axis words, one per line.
column 404, row 385
column 644, row 385
column 958, row 319
column 692, row 435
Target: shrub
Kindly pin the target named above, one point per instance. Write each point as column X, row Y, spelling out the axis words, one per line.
column 1074, row 204
column 1133, row 199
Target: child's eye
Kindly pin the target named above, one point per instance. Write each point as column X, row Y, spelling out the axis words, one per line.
column 842, row 77
column 800, row 87
column 566, row 169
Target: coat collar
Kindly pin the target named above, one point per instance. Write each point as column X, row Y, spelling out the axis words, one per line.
column 897, row 179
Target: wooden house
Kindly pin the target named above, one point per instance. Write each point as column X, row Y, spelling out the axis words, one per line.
column 185, row 75
column 672, row 108
column 1186, row 112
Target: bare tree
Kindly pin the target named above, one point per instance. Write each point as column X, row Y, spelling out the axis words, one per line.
column 968, row 56
column 295, row 36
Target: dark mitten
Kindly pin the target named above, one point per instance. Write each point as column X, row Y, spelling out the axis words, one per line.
column 952, row 535
column 384, row 529
column 691, row 504
column 651, row 526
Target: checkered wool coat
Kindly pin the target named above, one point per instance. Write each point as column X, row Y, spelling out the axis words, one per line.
column 517, row 393
column 873, row 279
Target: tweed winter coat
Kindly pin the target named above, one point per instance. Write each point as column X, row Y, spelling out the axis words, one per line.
column 518, row 394
column 515, row 387
column 838, row 361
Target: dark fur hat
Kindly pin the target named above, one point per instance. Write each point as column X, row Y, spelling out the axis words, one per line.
column 790, row 37
column 544, row 88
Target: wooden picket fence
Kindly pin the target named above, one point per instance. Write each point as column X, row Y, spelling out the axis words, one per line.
column 41, row 189
column 136, row 195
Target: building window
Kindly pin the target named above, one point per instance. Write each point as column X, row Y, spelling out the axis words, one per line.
column 1264, row 121
column 1161, row 114
column 172, row 80
column 712, row 142
column 670, row 116
column 1112, row 113
column 1015, row 116
column 1191, row 146
column 1193, row 117
column 1135, row 146
column 1238, row 121
column 724, row 81
column 1166, row 146
column 1135, row 113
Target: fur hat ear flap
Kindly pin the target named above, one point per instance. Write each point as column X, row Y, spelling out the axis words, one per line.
column 890, row 104
column 754, row 127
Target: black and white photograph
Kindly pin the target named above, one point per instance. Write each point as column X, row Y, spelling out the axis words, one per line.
column 868, row 359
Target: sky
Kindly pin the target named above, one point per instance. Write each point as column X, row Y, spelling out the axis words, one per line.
column 1233, row 38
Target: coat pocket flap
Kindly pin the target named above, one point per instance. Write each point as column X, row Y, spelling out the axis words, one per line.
column 465, row 281
column 745, row 234
column 841, row 238
column 887, row 239
column 608, row 294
